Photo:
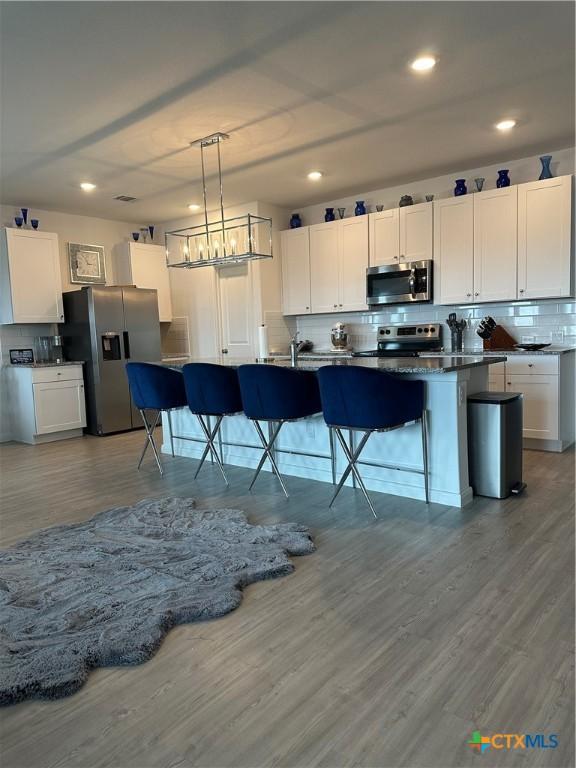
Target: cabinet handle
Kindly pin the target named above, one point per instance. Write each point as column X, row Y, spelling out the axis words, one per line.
column 509, row 383
column 521, row 290
column 340, row 305
column 530, row 365
column 335, row 306
column 468, row 294
column 307, row 307
column 476, row 293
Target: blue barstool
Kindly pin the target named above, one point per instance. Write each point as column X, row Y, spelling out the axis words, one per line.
column 211, row 390
column 276, row 395
column 366, row 400
column 155, row 388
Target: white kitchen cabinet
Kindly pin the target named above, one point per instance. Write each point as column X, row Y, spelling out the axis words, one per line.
column 296, row 271
column 30, row 281
column 497, row 377
column 454, row 250
column 495, row 244
column 338, row 263
column 540, row 393
column 353, row 263
column 144, row 265
column 48, row 403
column 384, row 237
column 416, row 242
column 544, row 228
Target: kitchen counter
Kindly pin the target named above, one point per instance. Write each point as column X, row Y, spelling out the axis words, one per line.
column 436, row 364
column 552, row 350
column 45, row 365
column 447, row 382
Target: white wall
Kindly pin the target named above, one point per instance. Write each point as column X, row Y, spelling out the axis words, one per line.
column 69, row 228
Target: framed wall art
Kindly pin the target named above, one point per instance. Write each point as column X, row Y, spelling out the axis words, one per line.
column 87, row 264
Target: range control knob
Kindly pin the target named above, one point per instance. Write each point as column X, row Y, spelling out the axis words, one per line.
column 419, row 330
column 387, row 331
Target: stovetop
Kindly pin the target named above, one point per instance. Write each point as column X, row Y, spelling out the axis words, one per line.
column 388, row 353
column 406, row 340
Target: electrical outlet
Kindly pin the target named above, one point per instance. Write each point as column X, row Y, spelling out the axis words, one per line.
column 461, row 394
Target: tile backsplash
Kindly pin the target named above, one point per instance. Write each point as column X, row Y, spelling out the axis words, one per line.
column 552, row 320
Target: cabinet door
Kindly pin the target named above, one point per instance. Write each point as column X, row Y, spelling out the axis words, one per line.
column 544, row 218
column 540, row 404
column 416, row 232
column 384, row 237
column 495, row 244
column 59, row 405
column 33, row 264
column 149, row 270
column 497, row 382
column 296, row 271
column 325, row 264
column 454, row 250
column 354, row 255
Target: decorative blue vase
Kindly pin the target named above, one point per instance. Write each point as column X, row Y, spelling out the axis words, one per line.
column 25, row 214
column 295, row 221
column 503, row 179
column 136, row 236
column 329, row 215
column 18, row 220
column 546, row 172
column 151, row 230
column 34, row 223
column 460, row 188
column 360, row 209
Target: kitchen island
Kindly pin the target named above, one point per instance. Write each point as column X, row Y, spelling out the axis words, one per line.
column 448, row 382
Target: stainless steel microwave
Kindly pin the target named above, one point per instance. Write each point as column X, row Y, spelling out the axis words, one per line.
column 405, row 283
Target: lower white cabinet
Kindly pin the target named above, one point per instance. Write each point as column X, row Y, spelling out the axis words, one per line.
column 546, row 383
column 48, row 403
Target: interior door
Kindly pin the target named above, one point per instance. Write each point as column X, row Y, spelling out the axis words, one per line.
column 236, row 311
column 325, row 266
column 495, row 244
column 354, row 256
column 454, row 250
column 384, row 237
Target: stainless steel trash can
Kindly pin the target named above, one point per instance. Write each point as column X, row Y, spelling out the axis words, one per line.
column 495, row 443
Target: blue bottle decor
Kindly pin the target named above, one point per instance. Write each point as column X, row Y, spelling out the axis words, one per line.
column 329, row 215
column 151, row 230
column 25, row 215
column 405, row 200
column 136, row 236
column 546, row 172
column 34, row 223
column 460, row 188
column 360, row 209
column 295, row 221
column 18, row 220
column 503, row 179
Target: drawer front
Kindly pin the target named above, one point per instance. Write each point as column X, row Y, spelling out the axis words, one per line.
column 532, row 364
column 57, row 373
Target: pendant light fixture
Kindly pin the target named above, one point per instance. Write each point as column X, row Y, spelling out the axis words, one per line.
column 221, row 242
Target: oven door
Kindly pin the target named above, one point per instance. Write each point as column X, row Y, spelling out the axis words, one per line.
column 399, row 283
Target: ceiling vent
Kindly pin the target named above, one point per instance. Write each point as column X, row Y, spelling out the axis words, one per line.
column 125, row 198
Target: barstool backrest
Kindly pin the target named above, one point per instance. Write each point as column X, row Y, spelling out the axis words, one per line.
column 363, row 398
column 276, row 394
column 155, row 387
column 212, row 390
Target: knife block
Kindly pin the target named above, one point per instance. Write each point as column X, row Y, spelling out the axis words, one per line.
column 500, row 339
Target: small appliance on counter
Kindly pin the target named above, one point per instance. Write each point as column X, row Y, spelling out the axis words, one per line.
column 48, row 349
column 339, row 338
column 493, row 335
column 406, row 341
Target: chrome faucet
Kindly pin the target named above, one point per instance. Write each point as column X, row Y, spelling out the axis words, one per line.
column 295, row 347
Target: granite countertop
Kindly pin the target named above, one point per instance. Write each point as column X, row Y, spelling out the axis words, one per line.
column 45, row 365
column 414, row 365
column 551, row 350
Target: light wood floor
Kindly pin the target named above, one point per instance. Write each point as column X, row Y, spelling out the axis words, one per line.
column 387, row 647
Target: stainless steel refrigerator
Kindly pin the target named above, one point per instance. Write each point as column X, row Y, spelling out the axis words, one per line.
column 107, row 326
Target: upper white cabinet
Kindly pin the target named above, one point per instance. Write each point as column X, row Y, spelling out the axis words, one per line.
column 495, row 244
column 144, row 265
column 416, row 232
column 454, row 250
column 384, row 237
column 401, row 234
column 544, row 220
column 296, row 271
column 30, row 282
column 338, row 263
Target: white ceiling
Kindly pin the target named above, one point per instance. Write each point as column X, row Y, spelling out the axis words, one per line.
column 113, row 92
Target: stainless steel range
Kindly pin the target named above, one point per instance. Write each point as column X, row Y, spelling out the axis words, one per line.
column 406, row 340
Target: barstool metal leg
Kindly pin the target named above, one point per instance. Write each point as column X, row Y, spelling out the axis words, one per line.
column 332, row 455
column 424, row 421
column 268, row 445
column 352, row 459
column 210, row 435
column 150, row 427
column 171, row 432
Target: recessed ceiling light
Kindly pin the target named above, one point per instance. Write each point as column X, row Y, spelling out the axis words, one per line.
column 423, row 63
column 194, row 207
column 87, row 186
column 315, row 175
column 505, row 125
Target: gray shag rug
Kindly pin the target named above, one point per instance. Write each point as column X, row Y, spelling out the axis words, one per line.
column 105, row 592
